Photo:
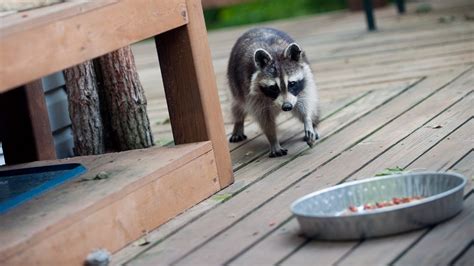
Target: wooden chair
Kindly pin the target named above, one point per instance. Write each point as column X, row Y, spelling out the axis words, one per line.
column 369, row 12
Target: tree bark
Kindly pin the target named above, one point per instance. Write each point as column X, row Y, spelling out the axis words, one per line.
column 125, row 101
column 84, row 109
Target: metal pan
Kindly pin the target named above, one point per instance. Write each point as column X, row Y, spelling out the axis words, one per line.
column 319, row 213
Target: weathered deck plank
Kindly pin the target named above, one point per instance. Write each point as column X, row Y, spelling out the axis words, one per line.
column 467, row 257
column 368, row 251
column 463, row 167
column 242, row 234
column 273, row 244
column 245, row 176
column 346, row 52
column 257, row 168
column 36, row 231
column 458, row 232
column 216, row 251
column 421, row 140
column 367, row 79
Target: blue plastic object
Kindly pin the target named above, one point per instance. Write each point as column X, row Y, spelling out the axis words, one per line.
column 19, row 185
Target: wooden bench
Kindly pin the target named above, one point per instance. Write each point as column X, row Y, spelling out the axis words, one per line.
column 145, row 187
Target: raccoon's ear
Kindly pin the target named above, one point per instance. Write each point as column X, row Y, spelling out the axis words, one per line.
column 262, row 58
column 293, row 51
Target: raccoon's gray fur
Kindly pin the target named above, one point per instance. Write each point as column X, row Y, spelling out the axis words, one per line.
column 268, row 72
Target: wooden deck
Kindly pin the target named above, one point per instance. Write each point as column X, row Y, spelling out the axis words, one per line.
column 401, row 96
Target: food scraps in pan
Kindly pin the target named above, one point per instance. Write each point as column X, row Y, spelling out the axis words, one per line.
column 377, row 205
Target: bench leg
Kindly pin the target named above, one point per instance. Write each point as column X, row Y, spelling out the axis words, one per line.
column 25, row 130
column 401, row 6
column 190, row 87
column 369, row 14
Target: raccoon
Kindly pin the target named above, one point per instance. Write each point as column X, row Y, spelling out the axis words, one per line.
column 269, row 73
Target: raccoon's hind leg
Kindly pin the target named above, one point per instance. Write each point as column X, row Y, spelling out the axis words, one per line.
column 267, row 123
column 238, row 113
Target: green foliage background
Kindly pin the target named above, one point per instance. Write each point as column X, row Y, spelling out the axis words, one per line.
column 265, row 10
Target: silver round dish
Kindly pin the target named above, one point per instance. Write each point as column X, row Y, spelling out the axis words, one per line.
column 319, row 213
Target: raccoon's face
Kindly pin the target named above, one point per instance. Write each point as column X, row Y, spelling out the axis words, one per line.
column 281, row 79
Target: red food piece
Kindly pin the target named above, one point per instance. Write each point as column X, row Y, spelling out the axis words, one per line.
column 368, row 207
column 406, row 200
column 352, row 208
column 381, row 204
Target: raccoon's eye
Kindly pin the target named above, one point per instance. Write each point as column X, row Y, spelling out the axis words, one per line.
column 273, row 70
column 270, row 91
column 295, row 87
column 273, row 88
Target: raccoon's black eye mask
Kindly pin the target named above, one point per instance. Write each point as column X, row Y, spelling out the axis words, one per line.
column 270, row 91
column 295, row 87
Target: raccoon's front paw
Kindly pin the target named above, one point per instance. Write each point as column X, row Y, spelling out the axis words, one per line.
column 278, row 152
column 237, row 137
column 310, row 136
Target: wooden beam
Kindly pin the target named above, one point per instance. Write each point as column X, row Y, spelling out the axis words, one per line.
column 25, row 129
column 32, row 18
column 190, row 87
column 56, row 40
column 144, row 189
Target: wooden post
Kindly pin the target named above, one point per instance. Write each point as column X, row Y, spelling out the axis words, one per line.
column 25, row 130
column 191, row 90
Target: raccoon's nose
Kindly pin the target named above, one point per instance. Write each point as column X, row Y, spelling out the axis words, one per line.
column 287, row 107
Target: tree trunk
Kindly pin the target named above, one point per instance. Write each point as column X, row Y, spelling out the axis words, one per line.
column 125, row 101
column 84, row 109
